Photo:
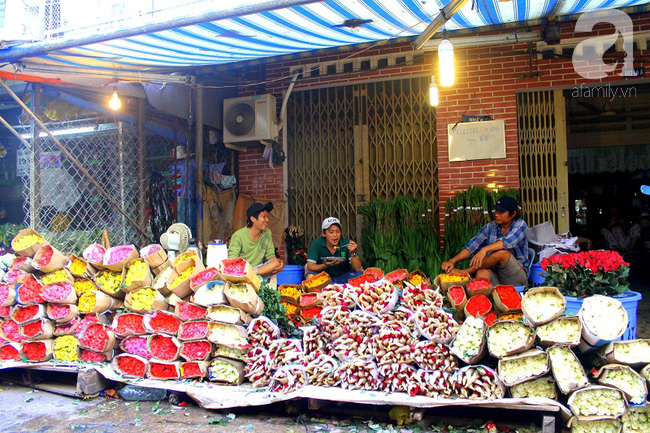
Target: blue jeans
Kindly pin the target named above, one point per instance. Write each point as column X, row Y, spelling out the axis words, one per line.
column 342, row 279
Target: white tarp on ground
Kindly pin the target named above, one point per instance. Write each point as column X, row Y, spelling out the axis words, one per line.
column 211, row 396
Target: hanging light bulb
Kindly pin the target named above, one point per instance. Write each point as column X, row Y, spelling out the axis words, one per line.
column 433, row 92
column 446, row 63
column 115, row 102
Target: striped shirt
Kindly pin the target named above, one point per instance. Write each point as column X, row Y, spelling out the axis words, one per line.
column 515, row 241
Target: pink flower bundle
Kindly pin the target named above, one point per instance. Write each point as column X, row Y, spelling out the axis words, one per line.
column 187, row 311
column 136, row 345
column 194, row 330
column 11, row 331
column 57, row 292
column 59, row 311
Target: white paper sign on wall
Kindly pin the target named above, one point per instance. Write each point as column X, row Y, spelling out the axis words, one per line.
column 477, row 140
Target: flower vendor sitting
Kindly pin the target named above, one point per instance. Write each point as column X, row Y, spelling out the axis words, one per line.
column 333, row 254
column 254, row 243
column 500, row 249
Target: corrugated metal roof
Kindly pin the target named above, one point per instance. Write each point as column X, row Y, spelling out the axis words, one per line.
column 304, row 28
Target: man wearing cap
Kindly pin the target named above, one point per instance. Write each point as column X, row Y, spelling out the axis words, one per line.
column 500, row 249
column 254, row 243
column 333, row 254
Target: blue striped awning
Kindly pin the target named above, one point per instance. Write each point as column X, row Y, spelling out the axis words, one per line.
column 304, row 28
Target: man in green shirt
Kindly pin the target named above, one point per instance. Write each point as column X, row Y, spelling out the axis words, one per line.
column 333, row 254
column 254, row 243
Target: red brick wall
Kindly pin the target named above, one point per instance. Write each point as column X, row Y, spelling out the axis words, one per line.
column 488, row 76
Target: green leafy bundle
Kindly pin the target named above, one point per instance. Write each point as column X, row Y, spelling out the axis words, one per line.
column 274, row 310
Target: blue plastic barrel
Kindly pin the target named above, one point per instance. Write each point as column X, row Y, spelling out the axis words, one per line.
column 534, row 278
column 629, row 300
column 291, row 274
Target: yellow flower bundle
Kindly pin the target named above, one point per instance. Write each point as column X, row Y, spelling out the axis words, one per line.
column 136, row 272
column 187, row 273
column 290, row 291
column 452, row 278
column 87, row 302
column 291, row 308
column 143, row 299
column 54, row 277
column 109, row 281
column 82, row 286
column 26, row 242
column 66, row 348
column 78, row 267
column 417, row 279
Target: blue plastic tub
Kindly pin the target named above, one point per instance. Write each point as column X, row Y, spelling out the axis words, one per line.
column 534, row 279
column 630, row 301
column 291, row 274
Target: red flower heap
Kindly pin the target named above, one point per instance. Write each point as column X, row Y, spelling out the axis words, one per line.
column 509, row 297
column 163, row 371
column 95, row 337
column 31, row 291
column 478, row 306
column 90, row 356
column 8, row 352
column 165, row 323
column 196, row 350
column 25, row 314
column 132, row 366
column 129, row 323
column 163, row 347
column 191, row 369
column 587, row 273
column 31, row 330
column 46, row 256
column 34, row 351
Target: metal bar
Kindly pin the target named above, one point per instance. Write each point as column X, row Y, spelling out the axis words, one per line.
column 142, row 143
column 15, row 53
column 445, row 15
column 72, row 158
column 120, row 149
column 199, row 163
column 35, row 189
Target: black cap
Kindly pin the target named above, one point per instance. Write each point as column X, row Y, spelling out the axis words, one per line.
column 505, row 204
column 256, row 208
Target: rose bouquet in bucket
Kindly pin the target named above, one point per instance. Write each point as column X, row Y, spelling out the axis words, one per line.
column 587, row 273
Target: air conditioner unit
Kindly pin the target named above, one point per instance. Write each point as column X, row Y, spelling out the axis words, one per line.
column 249, row 119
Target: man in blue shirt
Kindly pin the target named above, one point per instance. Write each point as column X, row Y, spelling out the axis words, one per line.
column 500, row 249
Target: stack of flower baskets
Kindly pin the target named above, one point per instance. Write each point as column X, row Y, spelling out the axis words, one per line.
column 290, row 298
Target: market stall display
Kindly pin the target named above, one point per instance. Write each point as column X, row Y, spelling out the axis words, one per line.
column 395, row 334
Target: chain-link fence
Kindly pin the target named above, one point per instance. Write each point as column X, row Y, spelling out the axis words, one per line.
column 61, row 202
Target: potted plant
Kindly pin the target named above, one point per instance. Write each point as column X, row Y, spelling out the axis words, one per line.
column 587, row 273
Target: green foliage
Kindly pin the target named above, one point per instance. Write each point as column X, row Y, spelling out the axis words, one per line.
column 401, row 233
column 274, row 310
column 465, row 213
column 8, row 232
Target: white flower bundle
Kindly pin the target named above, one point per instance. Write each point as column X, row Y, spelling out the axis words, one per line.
column 507, row 338
column 598, row 401
column 636, row 420
column 597, row 425
column 518, row 368
column 563, row 330
column 567, row 370
column 542, row 387
column 627, row 380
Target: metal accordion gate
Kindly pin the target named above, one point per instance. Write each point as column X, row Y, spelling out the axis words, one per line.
column 350, row 144
column 541, row 123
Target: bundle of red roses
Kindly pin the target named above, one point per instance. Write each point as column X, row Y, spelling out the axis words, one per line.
column 587, row 273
